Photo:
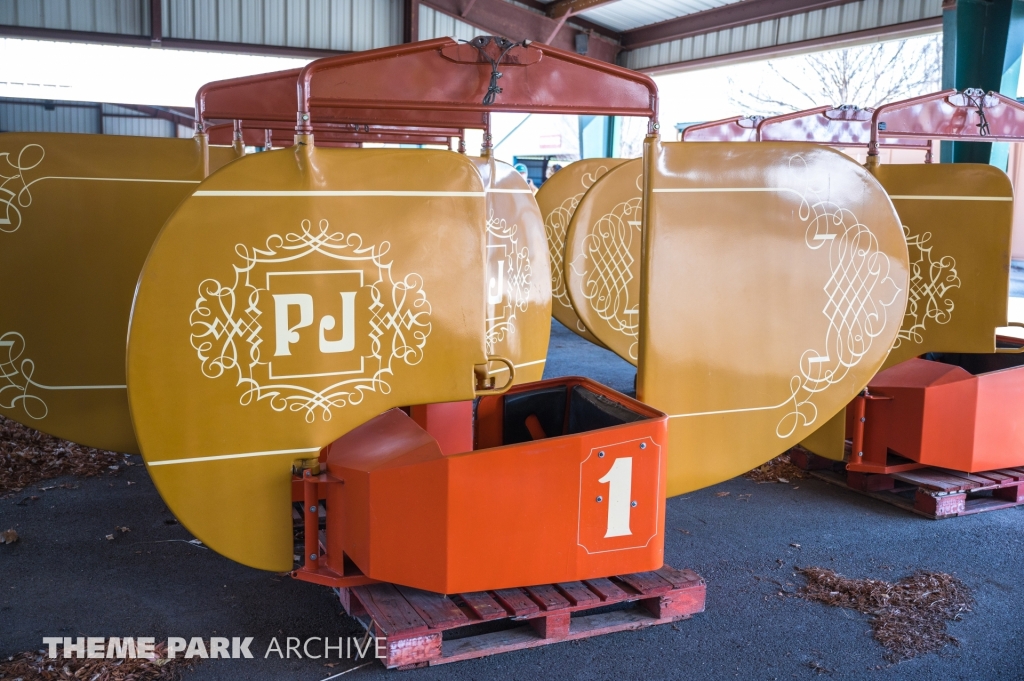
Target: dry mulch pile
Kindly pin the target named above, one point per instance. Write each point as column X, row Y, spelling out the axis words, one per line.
column 908, row 618
column 38, row 667
column 779, row 469
column 28, row 456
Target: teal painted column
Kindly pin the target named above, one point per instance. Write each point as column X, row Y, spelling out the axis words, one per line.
column 982, row 45
column 599, row 136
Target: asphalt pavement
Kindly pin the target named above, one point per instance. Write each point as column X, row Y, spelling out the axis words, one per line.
column 65, row 578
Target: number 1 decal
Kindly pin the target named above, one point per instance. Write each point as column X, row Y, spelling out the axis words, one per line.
column 620, row 483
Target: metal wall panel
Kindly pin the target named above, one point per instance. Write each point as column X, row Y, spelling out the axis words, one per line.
column 29, row 116
column 138, row 126
column 127, row 17
column 434, row 24
column 320, row 24
column 777, row 33
column 38, row 115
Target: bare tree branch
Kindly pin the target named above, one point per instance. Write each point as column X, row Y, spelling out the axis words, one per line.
column 864, row 76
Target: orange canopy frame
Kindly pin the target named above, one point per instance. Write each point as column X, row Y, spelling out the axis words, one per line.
column 842, row 126
column 271, row 134
column 971, row 115
column 430, row 84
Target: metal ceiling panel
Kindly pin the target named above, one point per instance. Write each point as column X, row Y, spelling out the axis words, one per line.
column 626, row 14
column 778, row 33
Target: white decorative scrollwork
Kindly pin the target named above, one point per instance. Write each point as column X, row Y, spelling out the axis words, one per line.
column 14, row 189
column 512, row 283
column 859, row 291
column 226, row 316
column 606, row 264
column 556, row 227
column 930, row 283
column 16, row 377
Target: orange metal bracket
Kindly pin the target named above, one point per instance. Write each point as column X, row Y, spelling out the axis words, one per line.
column 324, row 563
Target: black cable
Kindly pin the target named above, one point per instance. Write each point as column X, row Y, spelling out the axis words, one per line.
column 505, row 45
column 983, row 129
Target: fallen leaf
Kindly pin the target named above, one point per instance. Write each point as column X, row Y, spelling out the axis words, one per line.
column 908, row 617
column 8, row 536
column 28, row 457
column 123, row 530
column 783, row 480
column 110, row 537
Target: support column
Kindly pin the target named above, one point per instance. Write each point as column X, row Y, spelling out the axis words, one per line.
column 411, row 21
column 982, row 44
column 599, row 136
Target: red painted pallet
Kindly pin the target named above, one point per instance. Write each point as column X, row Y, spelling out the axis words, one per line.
column 932, row 492
column 423, row 628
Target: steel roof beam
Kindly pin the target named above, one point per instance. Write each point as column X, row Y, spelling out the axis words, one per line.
column 498, row 17
column 563, row 7
column 98, row 38
column 576, row 20
column 719, row 18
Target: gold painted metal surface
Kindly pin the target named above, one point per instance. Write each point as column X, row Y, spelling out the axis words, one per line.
column 518, row 274
column 558, row 198
column 958, row 221
column 829, row 441
column 78, row 214
column 602, row 258
column 774, row 283
column 297, row 294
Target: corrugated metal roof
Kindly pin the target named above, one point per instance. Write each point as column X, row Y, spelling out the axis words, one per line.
column 834, row 21
column 434, row 24
column 127, row 17
column 320, row 24
column 626, row 14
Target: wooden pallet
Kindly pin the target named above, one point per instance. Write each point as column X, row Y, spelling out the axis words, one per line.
column 935, row 493
column 423, row 628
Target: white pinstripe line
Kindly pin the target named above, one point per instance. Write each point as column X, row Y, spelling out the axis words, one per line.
column 331, row 192
column 244, row 455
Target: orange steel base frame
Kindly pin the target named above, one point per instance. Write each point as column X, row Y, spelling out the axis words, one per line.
column 413, row 622
column 935, row 493
column 464, row 558
column 922, row 413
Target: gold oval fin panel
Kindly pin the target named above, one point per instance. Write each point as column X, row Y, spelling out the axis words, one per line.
column 774, row 284
column 518, row 274
column 958, row 270
column 558, row 198
column 602, row 258
column 78, row 215
column 295, row 295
